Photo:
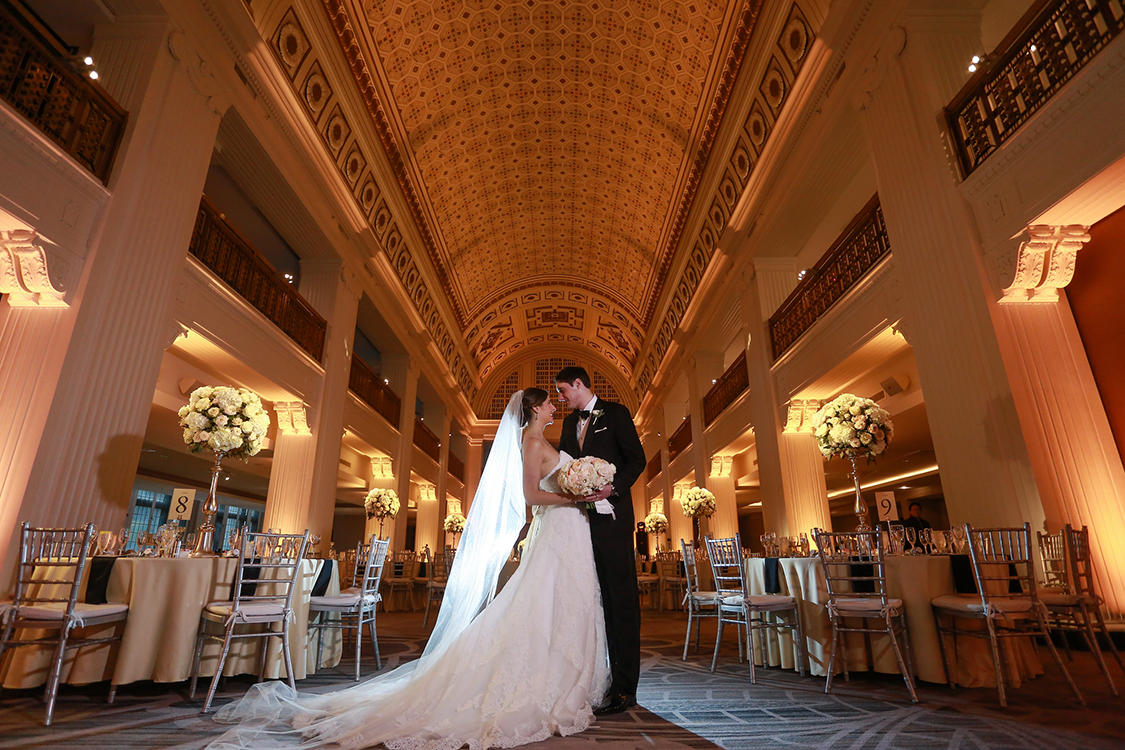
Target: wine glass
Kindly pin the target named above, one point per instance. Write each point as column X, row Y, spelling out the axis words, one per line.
column 896, row 534
column 958, row 540
column 912, row 539
column 926, row 538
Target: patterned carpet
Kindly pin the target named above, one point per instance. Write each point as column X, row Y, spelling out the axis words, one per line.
column 683, row 705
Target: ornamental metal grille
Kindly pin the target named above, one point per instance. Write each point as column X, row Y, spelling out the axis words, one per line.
column 858, row 249
column 1049, row 46
column 503, row 394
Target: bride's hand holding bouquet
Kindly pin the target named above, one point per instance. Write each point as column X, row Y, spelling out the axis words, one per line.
column 590, row 479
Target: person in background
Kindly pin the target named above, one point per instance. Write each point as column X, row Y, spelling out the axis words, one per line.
column 915, row 521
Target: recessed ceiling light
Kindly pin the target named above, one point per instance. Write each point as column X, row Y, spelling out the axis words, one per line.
column 904, row 487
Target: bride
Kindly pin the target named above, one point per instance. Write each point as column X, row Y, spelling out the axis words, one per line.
column 496, row 672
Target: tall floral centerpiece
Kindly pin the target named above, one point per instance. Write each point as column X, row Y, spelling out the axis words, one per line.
column 851, row 427
column 228, row 422
column 697, row 503
column 382, row 504
column 656, row 523
column 454, row 524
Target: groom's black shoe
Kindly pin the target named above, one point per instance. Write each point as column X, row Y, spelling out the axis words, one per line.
column 616, row 703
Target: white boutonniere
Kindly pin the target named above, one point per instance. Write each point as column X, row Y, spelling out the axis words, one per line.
column 597, row 413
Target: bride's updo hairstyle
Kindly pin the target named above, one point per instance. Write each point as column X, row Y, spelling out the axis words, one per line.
column 532, row 397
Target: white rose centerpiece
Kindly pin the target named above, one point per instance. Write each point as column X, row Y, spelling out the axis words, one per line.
column 698, row 502
column 228, row 422
column 849, row 425
column 586, row 475
column 381, row 503
column 454, row 523
column 656, row 523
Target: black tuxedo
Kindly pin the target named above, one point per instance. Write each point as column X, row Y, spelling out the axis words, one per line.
column 613, row 437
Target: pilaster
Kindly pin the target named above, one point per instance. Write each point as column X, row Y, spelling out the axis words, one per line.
column 427, row 528
column 89, row 448
column 985, row 467
column 1077, row 467
column 802, row 471
column 442, row 487
column 290, row 490
column 474, row 450
column 721, row 482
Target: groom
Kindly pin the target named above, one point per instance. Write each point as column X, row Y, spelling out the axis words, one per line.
column 605, row 429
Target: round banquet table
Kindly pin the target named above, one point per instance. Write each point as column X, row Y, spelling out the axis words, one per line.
column 165, row 598
column 914, row 579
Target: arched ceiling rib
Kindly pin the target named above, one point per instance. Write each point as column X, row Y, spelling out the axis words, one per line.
column 549, row 143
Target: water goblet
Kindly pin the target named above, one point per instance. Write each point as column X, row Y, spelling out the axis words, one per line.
column 926, row 539
column 912, row 539
column 896, row 534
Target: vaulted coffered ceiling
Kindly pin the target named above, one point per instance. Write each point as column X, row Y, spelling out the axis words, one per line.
column 548, row 157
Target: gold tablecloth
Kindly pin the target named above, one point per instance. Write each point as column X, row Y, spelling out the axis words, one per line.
column 165, row 598
column 916, row 580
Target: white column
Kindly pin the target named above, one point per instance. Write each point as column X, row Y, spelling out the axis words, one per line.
column 771, row 283
column 474, row 452
column 402, row 372
column 88, row 452
column 427, row 528
column 721, row 482
column 382, row 475
column 442, row 488
column 985, row 467
column 334, row 291
column 1077, row 467
column 291, row 471
column 705, row 367
column 802, row 472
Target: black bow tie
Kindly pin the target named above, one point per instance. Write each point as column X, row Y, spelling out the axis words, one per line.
column 582, row 414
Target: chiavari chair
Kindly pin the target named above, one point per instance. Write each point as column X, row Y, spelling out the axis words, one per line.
column 673, row 583
column 700, row 604
column 646, row 582
column 738, row 607
column 1007, row 600
column 356, row 607
column 437, row 575
column 52, row 567
column 267, row 601
column 856, row 576
column 401, row 571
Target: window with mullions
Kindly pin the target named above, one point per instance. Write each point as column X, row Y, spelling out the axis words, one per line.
column 150, row 511
column 230, row 518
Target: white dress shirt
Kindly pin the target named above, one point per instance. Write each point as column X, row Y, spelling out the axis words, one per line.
column 582, row 422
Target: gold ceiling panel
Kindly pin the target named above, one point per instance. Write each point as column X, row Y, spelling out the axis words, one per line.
column 548, row 142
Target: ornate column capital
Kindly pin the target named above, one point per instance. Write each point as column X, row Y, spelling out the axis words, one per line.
column 721, row 466
column 292, row 418
column 381, row 468
column 427, row 492
column 1041, row 265
column 23, row 271
column 799, row 415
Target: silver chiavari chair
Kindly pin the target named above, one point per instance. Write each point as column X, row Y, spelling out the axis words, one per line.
column 437, row 576
column 1007, row 600
column 266, row 600
column 401, row 572
column 1073, row 604
column 700, row 604
column 673, row 583
column 52, row 568
column 738, row 607
column 856, row 576
column 356, row 607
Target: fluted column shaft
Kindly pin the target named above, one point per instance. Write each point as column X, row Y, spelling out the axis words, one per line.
column 985, row 468
column 474, row 452
column 91, row 442
column 442, row 488
column 705, row 367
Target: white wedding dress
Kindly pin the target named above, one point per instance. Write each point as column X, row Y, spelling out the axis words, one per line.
column 531, row 664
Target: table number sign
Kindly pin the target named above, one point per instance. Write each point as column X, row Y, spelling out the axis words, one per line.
column 183, row 501
column 888, row 508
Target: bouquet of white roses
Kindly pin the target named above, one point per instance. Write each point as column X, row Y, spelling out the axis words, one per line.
column 698, row 502
column 656, row 523
column 381, row 503
column 584, row 476
column 226, row 420
column 454, row 523
column 848, row 424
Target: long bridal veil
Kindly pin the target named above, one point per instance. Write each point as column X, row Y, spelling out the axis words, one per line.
column 273, row 715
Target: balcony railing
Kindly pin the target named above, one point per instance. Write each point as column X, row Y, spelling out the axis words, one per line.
column 426, row 440
column 859, row 248
column 680, row 439
column 653, row 469
column 457, row 467
column 1052, row 42
column 37, row 81
column 371, row 390
column 219, row 247
column 729, row 387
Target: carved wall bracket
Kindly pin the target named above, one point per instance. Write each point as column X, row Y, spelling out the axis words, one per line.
column 799, row 415
column 721, row 466
column 23, row 271
column 292, row 419
column 1041, row 265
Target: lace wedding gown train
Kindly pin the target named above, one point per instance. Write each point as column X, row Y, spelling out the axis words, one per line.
column 530, row 665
